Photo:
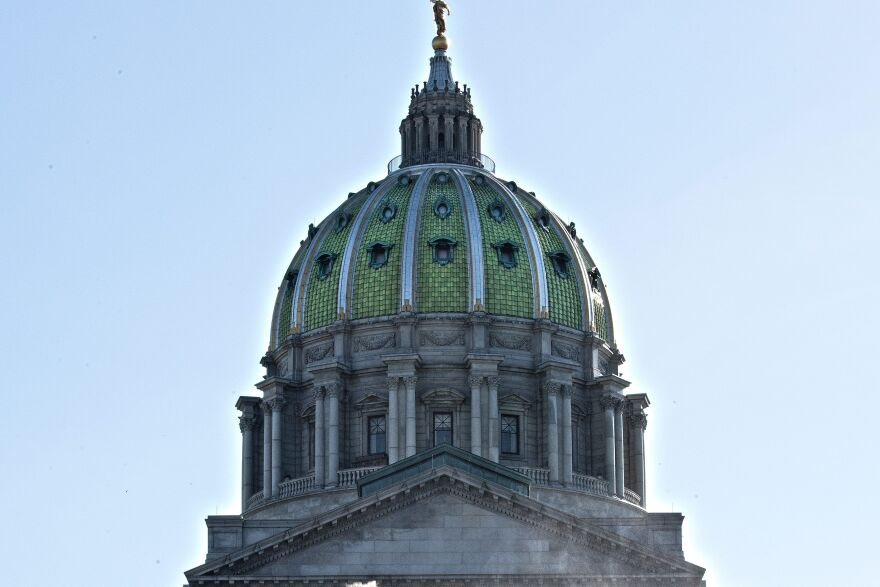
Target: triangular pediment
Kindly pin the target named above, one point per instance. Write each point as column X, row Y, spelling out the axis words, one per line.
column 514, row 400
column 443, row 524
column 370, row 402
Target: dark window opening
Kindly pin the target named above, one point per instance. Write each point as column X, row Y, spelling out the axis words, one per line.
column 443, row 250
column 506, row 253
column 311, row 446
column 442, row 428
column 560, row 263
column 379, row 253
column 376, row 427
column 387, row 212
column 496, row 212
column 509, row 434
column 325, row 265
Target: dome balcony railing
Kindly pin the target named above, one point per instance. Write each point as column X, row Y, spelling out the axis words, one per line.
column 349, row 478
column 482, row 162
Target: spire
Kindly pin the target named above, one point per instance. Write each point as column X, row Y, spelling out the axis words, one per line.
column 441, row 126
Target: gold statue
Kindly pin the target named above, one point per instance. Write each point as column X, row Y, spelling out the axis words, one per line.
column 439, row 7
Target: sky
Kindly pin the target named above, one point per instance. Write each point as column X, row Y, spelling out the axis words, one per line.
column 160, row 162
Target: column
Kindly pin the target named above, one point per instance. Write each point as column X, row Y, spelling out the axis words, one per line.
column 420, row 140
column 433, row 133
column 410, row 383
column 247, row 424
column 639, row 422
column 449, row 136
column 277, row 404
column 267, row 451
column 494, row 432
column 476, row 417
column 566, row 434
column 618, row 446
column 331, row 400
column 320, row 435
column 462, row 139
column 392, row 429
column 552, row 390
column 608, row 404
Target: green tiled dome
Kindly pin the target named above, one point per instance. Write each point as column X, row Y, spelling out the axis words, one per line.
column 441, row 239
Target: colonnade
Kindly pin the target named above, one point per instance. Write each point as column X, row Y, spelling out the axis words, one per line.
column 484, row 428
column 401, row 424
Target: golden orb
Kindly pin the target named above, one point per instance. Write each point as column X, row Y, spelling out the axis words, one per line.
column 440, row 43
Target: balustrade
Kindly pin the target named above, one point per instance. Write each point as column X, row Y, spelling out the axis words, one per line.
column 349, row 477
column 254, row 500
column 632, row 497
column 589, row 484
column 539, row 476
column 298, row 486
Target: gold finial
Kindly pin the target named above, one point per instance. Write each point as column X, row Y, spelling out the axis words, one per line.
column 440, row 43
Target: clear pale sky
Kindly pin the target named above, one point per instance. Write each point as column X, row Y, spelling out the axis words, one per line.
column 160, row 162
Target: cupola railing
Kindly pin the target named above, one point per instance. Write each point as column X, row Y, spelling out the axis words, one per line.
column 484, row 162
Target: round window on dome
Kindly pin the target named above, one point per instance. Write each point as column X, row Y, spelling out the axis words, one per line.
column 496, row 211
column 442, row 209
column 387, row 212
column 442, row 178
column 479, row 180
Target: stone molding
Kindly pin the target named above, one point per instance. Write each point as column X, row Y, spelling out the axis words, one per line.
column 319, row 352
column 565, row 351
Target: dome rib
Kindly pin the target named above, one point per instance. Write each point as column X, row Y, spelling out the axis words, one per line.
column 354, row 237
column 304, row 276
column 533, row 245
column 408, row 268
column 580, row 266
column 476, row 269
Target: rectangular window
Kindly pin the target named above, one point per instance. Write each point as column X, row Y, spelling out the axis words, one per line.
column 509, row 434
column 376, row 427
column 442, row 428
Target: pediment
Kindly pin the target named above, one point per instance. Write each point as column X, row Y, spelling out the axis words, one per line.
column 372, row 401
column 446, row 524
column 514, row 400
column 443, row 396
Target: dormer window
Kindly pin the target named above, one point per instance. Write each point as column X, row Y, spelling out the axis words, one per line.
column 442, row 209
column 324, row 265
column 379, row 253
column 342, row 221
column 560, row 261
column 506, row 253
column 496, row 211
column 387, row 212
column 595, row 278
column 443, row 250
column 543, row 219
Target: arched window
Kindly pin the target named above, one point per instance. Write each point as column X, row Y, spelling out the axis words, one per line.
column 324, row 265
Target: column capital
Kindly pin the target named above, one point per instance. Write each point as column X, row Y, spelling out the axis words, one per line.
column 267, row 409
column 610, row 402
column 332, row 390
column 640, row 420
column 247, row 423
column 277, row 403
column 552, row 387
column 492, row 382
column 319, row 393
column 475, row 380
column 410, row 380
column 393, row 382
column 567, row 390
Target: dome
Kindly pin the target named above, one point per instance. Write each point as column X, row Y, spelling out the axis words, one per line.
column 441, row 240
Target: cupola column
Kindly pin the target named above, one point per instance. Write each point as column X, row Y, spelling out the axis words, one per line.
column 618, row 448
column 448, row 137
column 247, row 423
column 332, row 404
column 393, row 431
column 420, row 141
column 638, row 423
column 494, row 434
column 552, row 413
column 462, row 139
column 267, row 451
column 410, row 383
column 277, row 405
column 476, row 417
column 608, row 404
column 433, row 135
column 320, row 435
column 566, row 435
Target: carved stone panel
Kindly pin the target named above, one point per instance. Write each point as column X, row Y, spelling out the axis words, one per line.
column 511, row 342
column 319, row 352
column 439, row 338
column 373, row 342
column 565, row 351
